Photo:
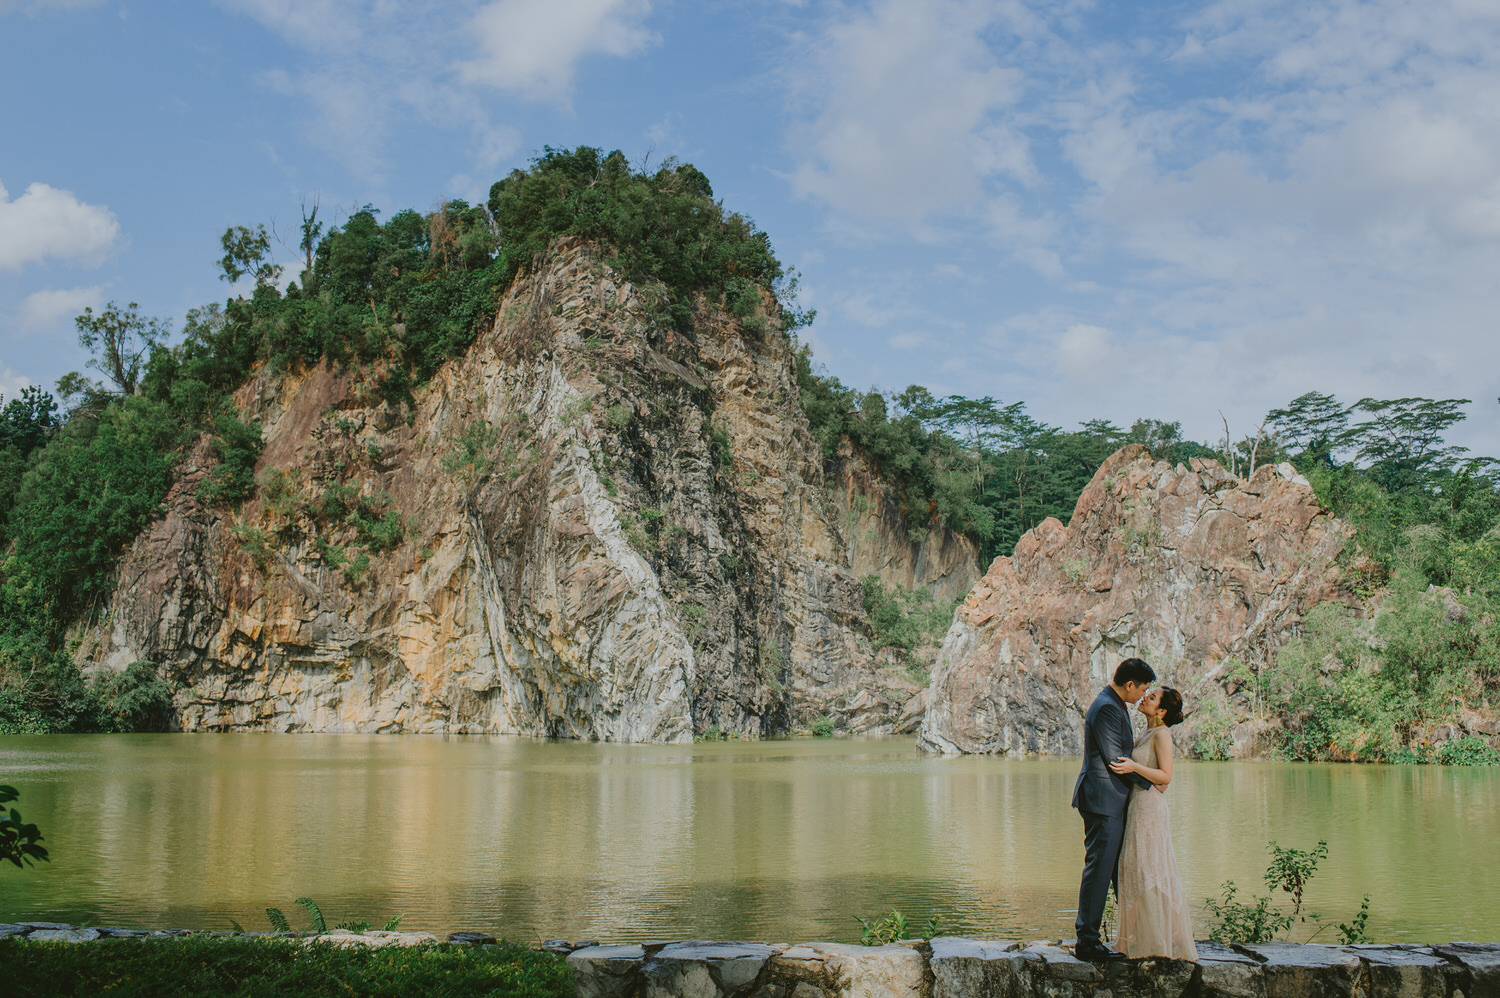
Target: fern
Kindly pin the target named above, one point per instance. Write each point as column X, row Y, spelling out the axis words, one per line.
column 278, row 920
column 318, row 925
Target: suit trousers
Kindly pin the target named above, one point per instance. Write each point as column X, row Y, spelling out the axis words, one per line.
column 1102, row 835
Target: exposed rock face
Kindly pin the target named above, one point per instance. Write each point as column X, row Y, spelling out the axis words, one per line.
column 1182, row 566
column 880, row 541
column 589, row 526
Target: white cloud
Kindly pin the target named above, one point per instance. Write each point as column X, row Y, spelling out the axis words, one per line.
column 532, row 47
column 905, row 99
column 35, row 6
column 11, row 383
column 47, row 222
column 44, row 308
column 373, row 67
column 1085, row 351
column 907, row 341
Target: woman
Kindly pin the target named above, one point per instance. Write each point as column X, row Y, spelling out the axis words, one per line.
column 1153, row 911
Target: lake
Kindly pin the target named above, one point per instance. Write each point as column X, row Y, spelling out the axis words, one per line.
column 773, row 840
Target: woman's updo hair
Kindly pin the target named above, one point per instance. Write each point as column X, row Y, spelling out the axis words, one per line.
column 1171, row 706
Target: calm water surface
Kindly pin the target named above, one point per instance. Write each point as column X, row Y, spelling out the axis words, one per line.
column 778, row 840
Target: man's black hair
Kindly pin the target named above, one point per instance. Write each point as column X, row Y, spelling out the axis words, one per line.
column 1134, row 670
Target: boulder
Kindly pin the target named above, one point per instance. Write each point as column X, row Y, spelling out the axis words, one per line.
column 964, row 968
column 607, row 971
column 1408, row 971
column 704, row 970
column 1226, row 973
column 1482, row 963
column 1295, row 970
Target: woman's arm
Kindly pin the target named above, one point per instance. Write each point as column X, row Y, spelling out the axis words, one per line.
column 1160, row 777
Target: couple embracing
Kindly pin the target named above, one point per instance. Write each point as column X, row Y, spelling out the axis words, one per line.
column 1127, row 841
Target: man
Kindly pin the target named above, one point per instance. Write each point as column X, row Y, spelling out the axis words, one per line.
column 1101, row 796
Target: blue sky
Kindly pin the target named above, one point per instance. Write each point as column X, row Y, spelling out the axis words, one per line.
column 1107, row 210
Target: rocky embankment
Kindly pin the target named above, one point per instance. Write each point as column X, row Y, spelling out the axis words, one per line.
column 951, row 967
column 591, row 526
column 948, row 967
column 1191, row 568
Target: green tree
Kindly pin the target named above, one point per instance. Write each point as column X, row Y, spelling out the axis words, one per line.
column 27, row 420
column 120, row 341
column 26, row 423
column 1314, row 424
column 1403, row 438
column 247, row 251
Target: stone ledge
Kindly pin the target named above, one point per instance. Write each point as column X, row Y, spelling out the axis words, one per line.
column 947, row 967
column 953, row 967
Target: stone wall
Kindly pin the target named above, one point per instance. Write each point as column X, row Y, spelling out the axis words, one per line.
column 969, row 968
column 947, row 967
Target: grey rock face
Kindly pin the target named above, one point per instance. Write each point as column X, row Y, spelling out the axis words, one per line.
column 1307, row 971
column 705, row 970
column 603, row 529
column 63, row 936
column 1227, row 973
column 1482, row 963
column 1150, row 978
column 607, row 971
column 1408, row 972
column 962, row 968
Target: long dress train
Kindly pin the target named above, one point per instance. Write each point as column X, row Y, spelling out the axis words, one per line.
column 1153, row 911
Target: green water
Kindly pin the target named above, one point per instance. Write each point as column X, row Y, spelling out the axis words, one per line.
column 772, row 840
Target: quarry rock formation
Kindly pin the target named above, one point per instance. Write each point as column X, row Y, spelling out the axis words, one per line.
column 591, row 525
column 1191, row 568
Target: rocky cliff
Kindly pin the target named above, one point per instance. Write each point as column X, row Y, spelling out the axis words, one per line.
column 1186, row 567
column 591, row 526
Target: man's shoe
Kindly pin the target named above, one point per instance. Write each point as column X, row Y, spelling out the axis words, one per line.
column 1096, row 953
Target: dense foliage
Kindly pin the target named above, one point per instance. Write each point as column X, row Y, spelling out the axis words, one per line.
column 245, row 968
column 663, row 226
column 989, row 470
column 1426, row 554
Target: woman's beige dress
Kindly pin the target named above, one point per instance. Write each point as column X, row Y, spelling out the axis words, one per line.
column 1153, row 911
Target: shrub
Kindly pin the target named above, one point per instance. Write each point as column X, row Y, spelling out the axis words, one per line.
column 237, row 445
column 268, row 968
column 1470, row 750
column 138, row 698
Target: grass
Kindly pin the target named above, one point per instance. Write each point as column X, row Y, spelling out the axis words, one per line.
column 211, row 966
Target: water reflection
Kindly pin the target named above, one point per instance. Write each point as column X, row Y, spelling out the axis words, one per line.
column 774, row 840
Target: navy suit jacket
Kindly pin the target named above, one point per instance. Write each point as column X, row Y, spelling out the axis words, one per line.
column 1107, row 735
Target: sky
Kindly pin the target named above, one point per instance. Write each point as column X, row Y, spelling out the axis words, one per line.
column 1180, row 211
